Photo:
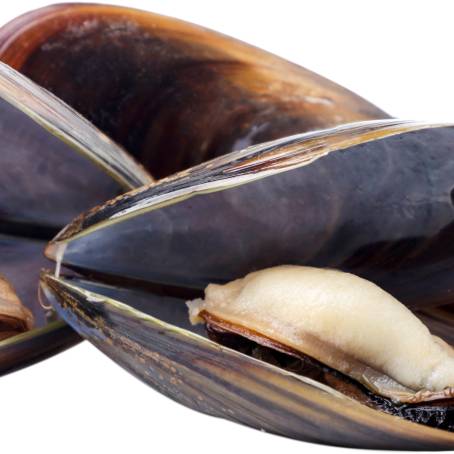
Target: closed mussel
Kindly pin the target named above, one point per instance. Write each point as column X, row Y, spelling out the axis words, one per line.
column 172, row 93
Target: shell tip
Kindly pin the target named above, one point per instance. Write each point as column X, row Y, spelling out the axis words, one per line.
column 55, row 251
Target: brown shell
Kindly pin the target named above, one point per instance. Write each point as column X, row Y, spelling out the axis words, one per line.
column 172, row 93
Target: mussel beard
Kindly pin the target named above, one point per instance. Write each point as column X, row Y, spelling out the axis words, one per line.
column 438, row 414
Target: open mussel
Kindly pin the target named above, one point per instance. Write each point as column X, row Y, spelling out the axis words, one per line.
column 173, row 94
column 15, row 318
column 292, row 201
column 372, row 198
column 339, row 319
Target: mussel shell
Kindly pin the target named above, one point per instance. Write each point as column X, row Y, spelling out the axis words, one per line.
column 172, row 93
column 21, row 262
column 36, row 345
column 373, row 199
column 55, row 164
column 44, row 183
column 216, row 380
column 440, row 320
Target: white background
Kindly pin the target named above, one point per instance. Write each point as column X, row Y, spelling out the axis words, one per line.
column 397, row 54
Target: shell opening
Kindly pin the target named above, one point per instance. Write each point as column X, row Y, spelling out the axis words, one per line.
column 339, row 319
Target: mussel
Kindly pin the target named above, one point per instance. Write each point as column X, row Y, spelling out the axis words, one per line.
column 370, row 198
column 338, row 319
column 14, row 317
column 55, row 164
column 173, row 94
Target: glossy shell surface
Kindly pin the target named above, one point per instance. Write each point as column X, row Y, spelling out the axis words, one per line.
column 293, row 200
column 55, row 164
column 216, row 380
column 172, row 93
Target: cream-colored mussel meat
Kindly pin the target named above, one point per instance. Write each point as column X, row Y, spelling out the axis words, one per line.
column 340, row 319
column 14, row 316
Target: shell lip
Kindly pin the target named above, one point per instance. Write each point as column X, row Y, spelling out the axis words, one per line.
column 50, row 251
column 402, row 395
column 368, row 377
column 58, row 119
column 54, row 115
column 238, row 168
column 95, row 315
column 52, row 284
